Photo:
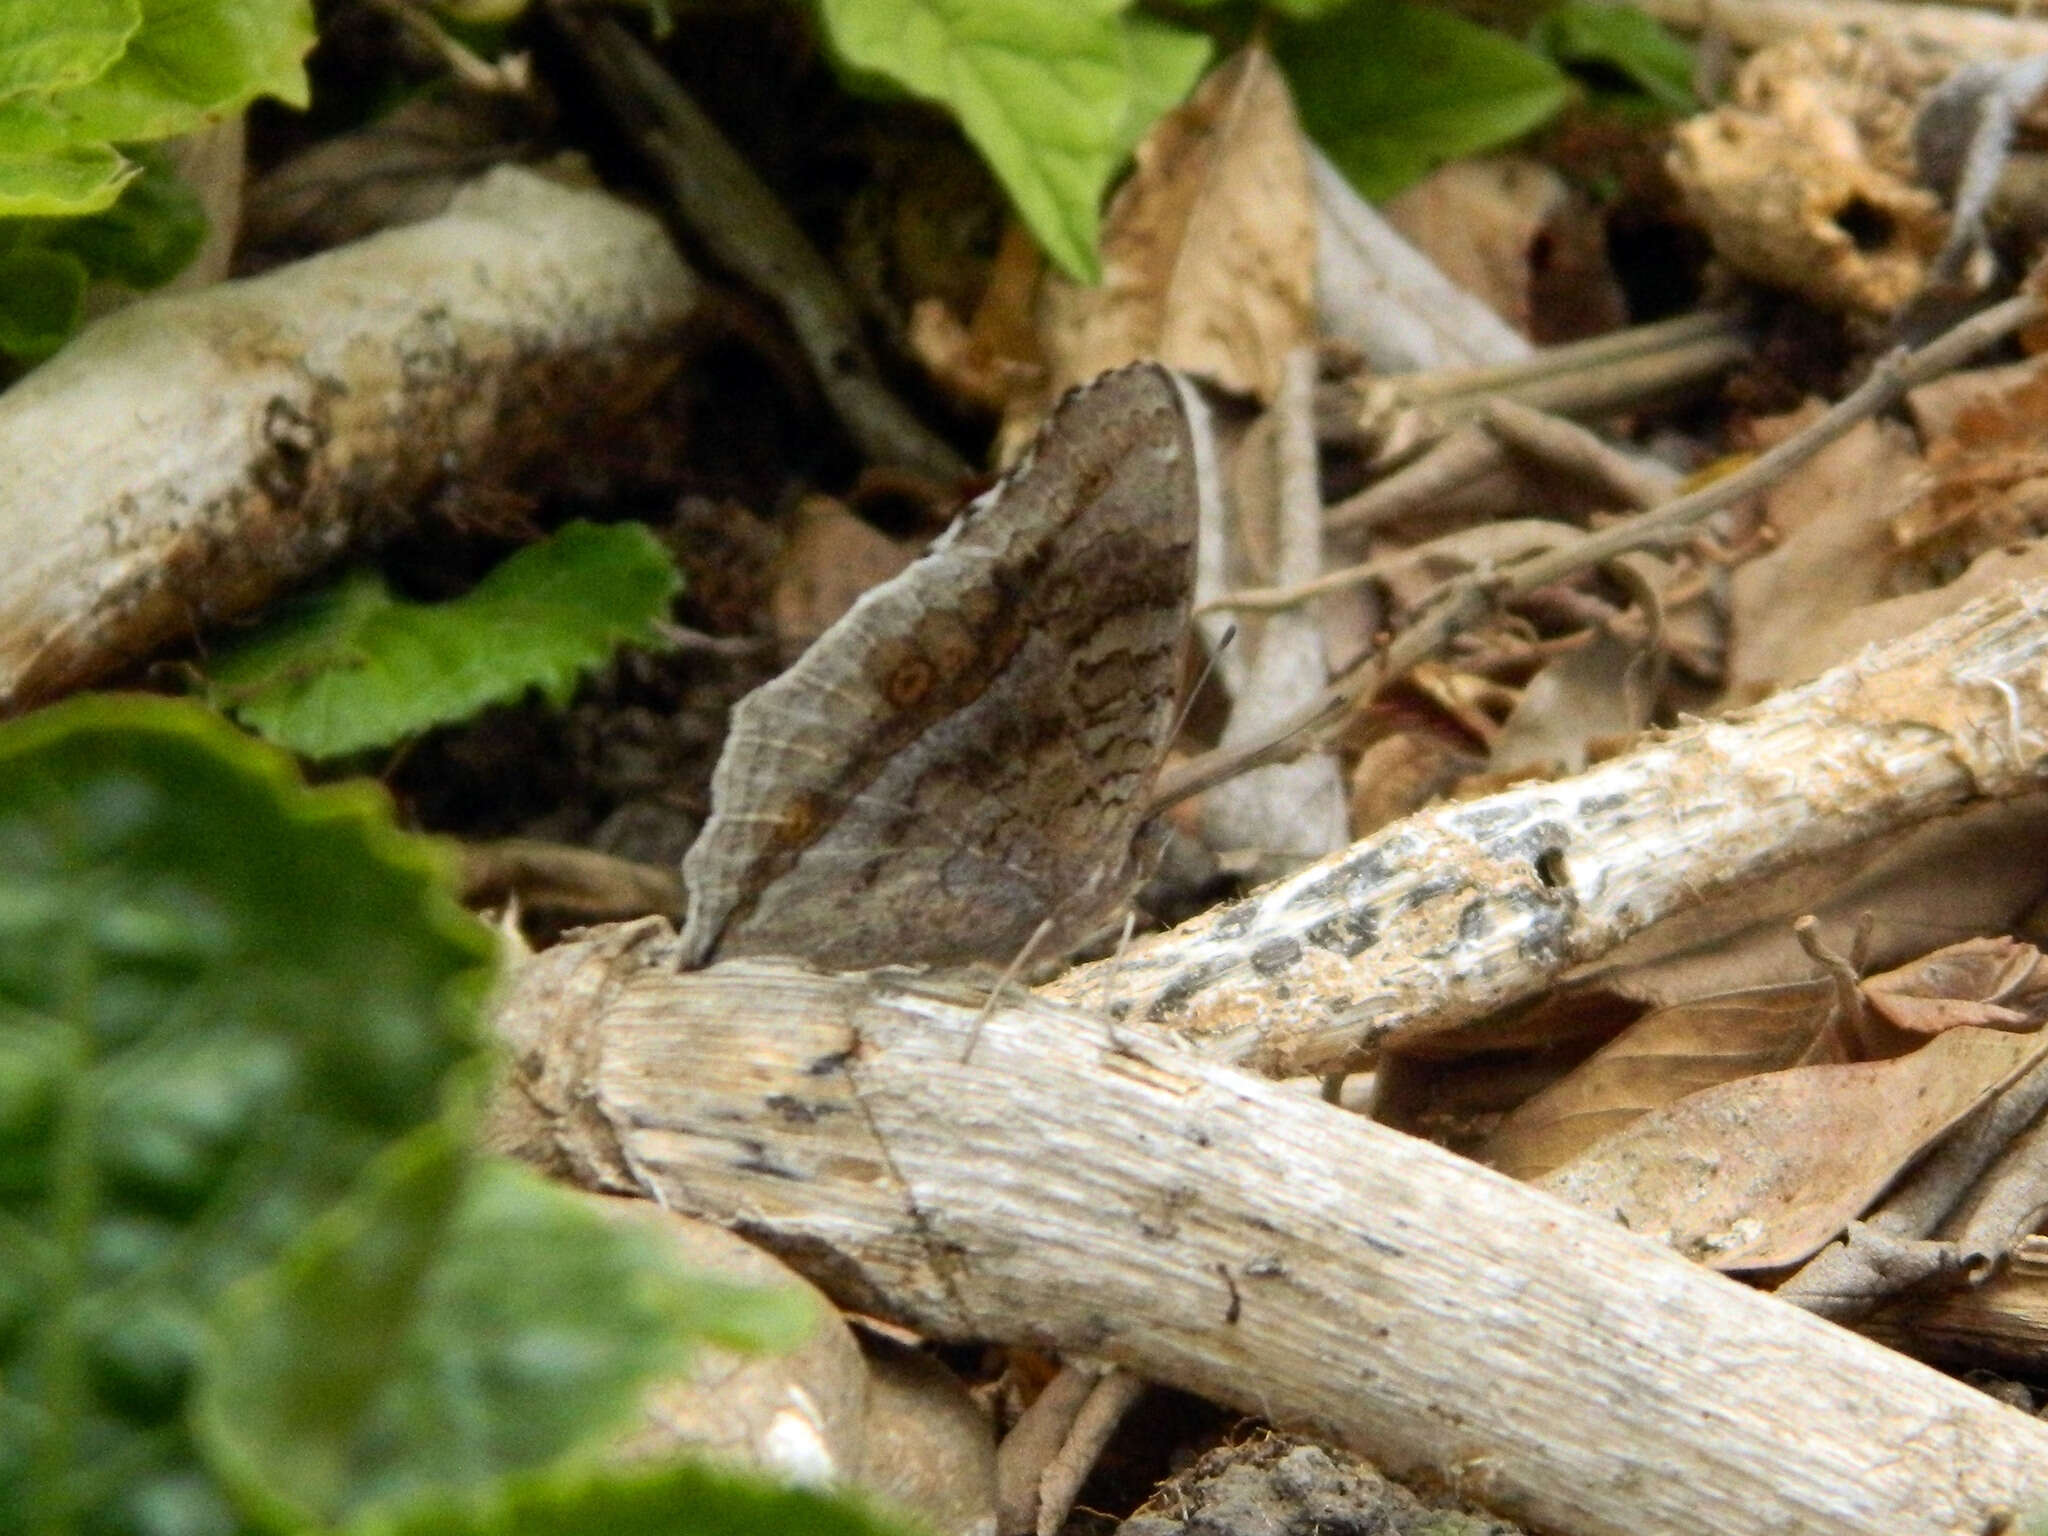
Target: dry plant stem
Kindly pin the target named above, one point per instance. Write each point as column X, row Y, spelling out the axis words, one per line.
column 1570, row 449
column 594, row 887
column 1464, row 909
column 1033, row 1444
column 1581, row 378
column 184, row 460
column 725, row 205
column 1464, row 603
column 1232, row 1237
column 1759, row 23
column 1113, row 1397
column 1461, row 544
column 1448, row 466
column 1503, row 428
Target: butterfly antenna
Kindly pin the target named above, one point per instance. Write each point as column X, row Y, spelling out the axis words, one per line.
column 1016, row 966
column 1208, row 666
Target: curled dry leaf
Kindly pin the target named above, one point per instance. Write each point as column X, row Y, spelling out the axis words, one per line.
column 1658, row 1060
column 1760, row 1173
column 1208, row 250
column 1992, row 983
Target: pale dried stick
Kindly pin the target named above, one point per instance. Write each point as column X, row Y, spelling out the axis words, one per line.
column 1469, row 545
column 1034, row 1442
column 1759, row 23
column 1239, row 1239
column 187, row 458
column 1464, row 603
column 1461, row 910
column 717, row 194
column 1112, row 1397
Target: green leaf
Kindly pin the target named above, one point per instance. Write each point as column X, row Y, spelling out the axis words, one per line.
column 1166, row 62
column 221, row 994
column 1623, row 38
column 1307, row 10
column 46, row 170
column 193, row 62
column 47, row 45
column 1043, row 89
column 1391, row 89
column 457, row 1321
column 354, row 667
column 680, row 1500
column 153, row 230
column 42, row 295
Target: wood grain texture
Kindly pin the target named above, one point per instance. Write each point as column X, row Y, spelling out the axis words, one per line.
column 189, row 457
column 1461, row 910
column 1119, row 1198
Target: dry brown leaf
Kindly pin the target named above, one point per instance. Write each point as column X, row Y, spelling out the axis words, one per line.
column 1993, row 983
column 1659, row 1059
column 1829, row 643
column 1401, row 773
column 1837, row 553
column 1760, row 1173
column 1514, row 233
column 1599, row 692
column 1208, row 250
column 832, row 557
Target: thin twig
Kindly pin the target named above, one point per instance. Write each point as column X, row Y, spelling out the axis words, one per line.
column 1469, row 600
column 727, row 207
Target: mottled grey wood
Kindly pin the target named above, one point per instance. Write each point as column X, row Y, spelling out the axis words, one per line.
column 1461, row 910
column 1122, row 1199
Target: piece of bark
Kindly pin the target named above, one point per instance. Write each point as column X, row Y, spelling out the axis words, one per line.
column 184, row 460
column 1759, row 23
column 1085, row 1190
column 1452, row 914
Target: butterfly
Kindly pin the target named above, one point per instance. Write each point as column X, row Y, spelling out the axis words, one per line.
column 968, row 753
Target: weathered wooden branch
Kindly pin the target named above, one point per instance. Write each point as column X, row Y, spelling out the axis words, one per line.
column 1124, row 1199
column 1759, row 23
column 185, row 459
column 1456, row 912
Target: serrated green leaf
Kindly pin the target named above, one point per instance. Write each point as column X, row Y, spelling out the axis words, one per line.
column 1166, row 62
column 1391, row 89
column 456, row 1322
column 354, row 667
column 42, row 295
column 46, row 171
column 193, row 62
column 221, row 994
column 1042, row 88
column 153, row 230
column 681, row 1500
column 49, row 45
column 1623, row 38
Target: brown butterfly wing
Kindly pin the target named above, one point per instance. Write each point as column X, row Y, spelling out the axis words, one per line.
column 969, row 750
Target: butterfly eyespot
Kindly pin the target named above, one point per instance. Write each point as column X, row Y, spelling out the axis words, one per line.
column 798, row 825
column 909, row 681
